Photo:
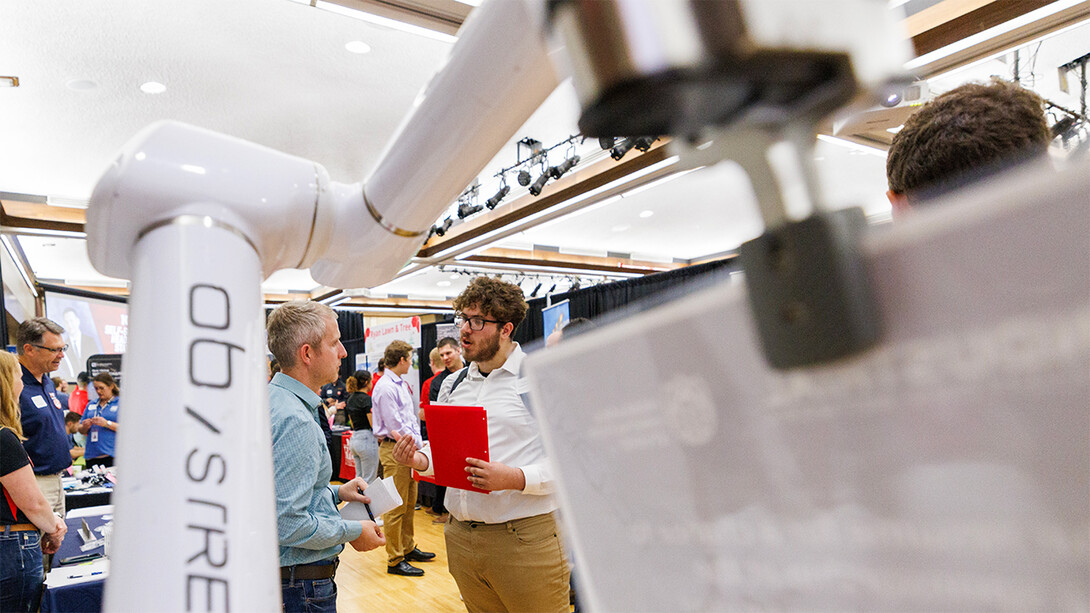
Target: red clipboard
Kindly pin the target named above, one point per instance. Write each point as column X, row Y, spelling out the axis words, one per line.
column 455, row 433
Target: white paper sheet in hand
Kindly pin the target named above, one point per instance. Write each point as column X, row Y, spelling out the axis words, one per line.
column 384, row 498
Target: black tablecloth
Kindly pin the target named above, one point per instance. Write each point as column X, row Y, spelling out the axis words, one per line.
column 78, row 499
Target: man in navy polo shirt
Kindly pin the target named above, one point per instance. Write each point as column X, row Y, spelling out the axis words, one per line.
column 40, row 352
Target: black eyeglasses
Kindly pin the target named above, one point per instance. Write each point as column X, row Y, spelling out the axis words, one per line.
column 475, row 323
column 57, row 350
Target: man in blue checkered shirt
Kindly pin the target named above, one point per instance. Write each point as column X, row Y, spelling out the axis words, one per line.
column 305, row 339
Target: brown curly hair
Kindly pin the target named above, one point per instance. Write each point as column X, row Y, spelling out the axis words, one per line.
column 495, row 298
column 968, row 127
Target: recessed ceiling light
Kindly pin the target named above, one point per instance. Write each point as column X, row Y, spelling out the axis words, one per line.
column 443, row 284
column 620, row 228
column 358, row 46
column 647, row 214
column 153, row 87
column 455, row 276
column 81, row 85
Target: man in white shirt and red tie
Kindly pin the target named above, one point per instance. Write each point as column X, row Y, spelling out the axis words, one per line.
column 394, row 415
column 504, row 547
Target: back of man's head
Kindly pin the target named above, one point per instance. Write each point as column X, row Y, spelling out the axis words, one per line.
column 395, row 351
column 294, row 324
column 969, row 128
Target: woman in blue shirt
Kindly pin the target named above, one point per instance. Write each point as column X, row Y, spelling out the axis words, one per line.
column 99, row 422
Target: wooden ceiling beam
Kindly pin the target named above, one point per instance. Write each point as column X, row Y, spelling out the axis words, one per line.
column 39, row 216
column 985, row 15
column 590, row 264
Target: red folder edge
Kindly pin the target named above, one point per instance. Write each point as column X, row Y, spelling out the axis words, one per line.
column 455, row 433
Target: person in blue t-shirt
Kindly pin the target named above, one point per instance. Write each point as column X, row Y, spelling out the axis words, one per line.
column 99, row 422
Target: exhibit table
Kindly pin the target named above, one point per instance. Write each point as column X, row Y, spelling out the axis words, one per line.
column 78, row 495
column 78, row 587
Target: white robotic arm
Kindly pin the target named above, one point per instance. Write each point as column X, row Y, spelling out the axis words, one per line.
column 196, row 219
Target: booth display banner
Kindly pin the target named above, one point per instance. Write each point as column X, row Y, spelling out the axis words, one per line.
column 555, row 317
column 379, row 337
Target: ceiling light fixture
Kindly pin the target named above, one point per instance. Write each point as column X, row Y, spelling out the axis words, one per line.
column 81, row 85
column 537, row 186
column 467, row 208
column 643, row 143
column 393, row 24
column 620, row 149
column 68, row 203
column 442, row 229
column 396, row 309
column 153, row 87
column 646, row 214
column 505, row 189
column 559, row 170
column 854, row 146
column 358, row 47
column 464, row 250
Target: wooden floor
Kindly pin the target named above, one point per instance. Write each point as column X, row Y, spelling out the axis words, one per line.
column 364, row 586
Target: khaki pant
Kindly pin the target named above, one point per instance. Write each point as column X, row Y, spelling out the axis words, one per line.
column 516, row 566
column 398, row 524
column 53, row 490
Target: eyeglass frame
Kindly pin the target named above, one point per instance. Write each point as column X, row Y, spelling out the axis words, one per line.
column 56, row 351
column 469, row 320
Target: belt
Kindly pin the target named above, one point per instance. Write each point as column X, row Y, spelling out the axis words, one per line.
column 310, row 572
column 385, row 439
column 513, row 523
column 21, row 528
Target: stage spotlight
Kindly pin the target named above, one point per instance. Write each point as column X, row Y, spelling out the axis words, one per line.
column 607, row 142
column 1065, row 128
column 892, row 99
column 442, row 229
column 558, row 171
column 539, row 185
column 621, row 148
column 537, row 289
column 575, row 285
column 492, row 202
column 524, row 177
column 643, row 143
column 551, row 289
column 467, row 208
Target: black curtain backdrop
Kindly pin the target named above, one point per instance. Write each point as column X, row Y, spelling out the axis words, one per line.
column 352, row 337
column 642, row 293
column 593, row 302
column 427, row 343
